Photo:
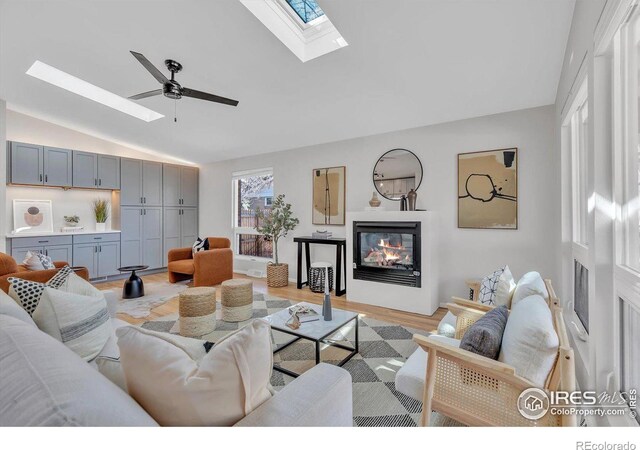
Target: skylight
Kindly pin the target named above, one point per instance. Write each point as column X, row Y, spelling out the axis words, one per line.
column 307, row 10
column 85, row 89
column 301, row 25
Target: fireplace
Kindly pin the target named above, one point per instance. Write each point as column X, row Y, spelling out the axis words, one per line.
column 387, row 252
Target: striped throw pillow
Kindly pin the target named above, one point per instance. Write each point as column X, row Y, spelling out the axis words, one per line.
column 81, row 322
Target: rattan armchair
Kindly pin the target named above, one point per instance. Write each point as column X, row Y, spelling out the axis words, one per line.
column 479, row 391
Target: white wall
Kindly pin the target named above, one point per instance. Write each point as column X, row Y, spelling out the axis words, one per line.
column 23, row 128
column 462, row 253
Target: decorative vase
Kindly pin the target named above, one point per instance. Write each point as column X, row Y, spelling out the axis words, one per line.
column 101, row 226
column 326, row 304
column 403, row 203
column 375, row 201
column 412, row 197
column 277, row 275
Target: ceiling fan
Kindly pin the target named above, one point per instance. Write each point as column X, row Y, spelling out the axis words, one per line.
column 170, row 87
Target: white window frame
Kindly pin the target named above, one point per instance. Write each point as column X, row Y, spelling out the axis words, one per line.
column 625, row 96
column 237, row 230
column 579, row 141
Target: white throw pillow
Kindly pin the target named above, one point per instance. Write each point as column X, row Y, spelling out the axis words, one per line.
column 81, row 322
column 32, row 261
column 177, row 388
column 531, row 283
column 496, row 289
column 530, row 343
column 447, row 326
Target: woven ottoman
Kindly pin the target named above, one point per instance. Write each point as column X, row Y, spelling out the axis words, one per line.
column 197, row 309
column 237, row 300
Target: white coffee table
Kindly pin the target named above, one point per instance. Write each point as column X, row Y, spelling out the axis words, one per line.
column 317, row 331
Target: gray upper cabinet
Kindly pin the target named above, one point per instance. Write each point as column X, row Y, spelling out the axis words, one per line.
column 141, row 183
column 151, row 183
column 108, row 172
column 131, row 182
column 57, row 166
column 85, row 169
column 171, row 185
column 180, row 185
column 26, row 163
column 189, row 186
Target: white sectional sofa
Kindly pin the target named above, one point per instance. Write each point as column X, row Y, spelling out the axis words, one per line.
column 43, row 383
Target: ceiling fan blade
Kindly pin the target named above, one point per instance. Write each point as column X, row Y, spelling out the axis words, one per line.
column 150, row 67
column 186, row 92
column 146, row 94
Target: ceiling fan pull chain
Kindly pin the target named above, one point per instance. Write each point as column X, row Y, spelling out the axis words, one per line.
column 175, row 110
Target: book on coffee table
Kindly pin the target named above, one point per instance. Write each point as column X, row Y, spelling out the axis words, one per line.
column 305, row 314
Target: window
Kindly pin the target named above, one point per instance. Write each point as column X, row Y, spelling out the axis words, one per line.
column 579, row 174
column 252, row 192
column 307, row 10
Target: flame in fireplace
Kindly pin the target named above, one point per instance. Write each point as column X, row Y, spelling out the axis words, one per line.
column 390, row 255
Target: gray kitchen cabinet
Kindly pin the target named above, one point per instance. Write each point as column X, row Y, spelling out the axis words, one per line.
column 108, row 172
column 141, row 236
column 131, row 235
column 108, row 255
column 189, row 186
column 57, row 247
column 19, row 254
column 57, row 164
column 26, row 163
column 85, row 169
column 152, row 237
column 180, row 185
column 189, row 223
column 172, row 237
column 151, row 183
column 171, row 185
column 180, row 228
column 85, row 255
column 60, row 253
column 100, row 253
column 141, row 183
column 130, row 182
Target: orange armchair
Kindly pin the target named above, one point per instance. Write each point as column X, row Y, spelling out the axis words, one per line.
column 10, row 268
column 207, row 268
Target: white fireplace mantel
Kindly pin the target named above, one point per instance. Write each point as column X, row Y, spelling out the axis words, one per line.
column 422, row 300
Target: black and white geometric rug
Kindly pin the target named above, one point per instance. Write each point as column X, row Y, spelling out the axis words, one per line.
column 384, row 347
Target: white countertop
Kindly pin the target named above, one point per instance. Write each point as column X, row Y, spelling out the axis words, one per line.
column 58, row 233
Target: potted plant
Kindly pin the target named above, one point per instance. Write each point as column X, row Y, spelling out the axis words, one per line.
column 101, row 212
column 71, row 221
column 274, row 225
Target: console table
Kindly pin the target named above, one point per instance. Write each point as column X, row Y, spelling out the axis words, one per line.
column 341, row 260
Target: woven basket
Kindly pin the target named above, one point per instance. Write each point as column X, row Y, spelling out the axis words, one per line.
column 277, row 275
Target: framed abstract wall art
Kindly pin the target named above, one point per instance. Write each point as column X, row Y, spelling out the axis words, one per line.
column 32, row 216
column 488, row 189
column 329, row 185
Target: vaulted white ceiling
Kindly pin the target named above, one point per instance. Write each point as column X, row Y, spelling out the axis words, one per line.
column 409, row 63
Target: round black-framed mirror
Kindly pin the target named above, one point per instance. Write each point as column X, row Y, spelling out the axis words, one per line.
column 397, row 172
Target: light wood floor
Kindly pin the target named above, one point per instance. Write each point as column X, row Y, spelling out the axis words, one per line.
column 427, row 323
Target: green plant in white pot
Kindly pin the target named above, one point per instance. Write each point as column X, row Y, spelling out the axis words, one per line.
column 101, row 213
column 275, row 225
